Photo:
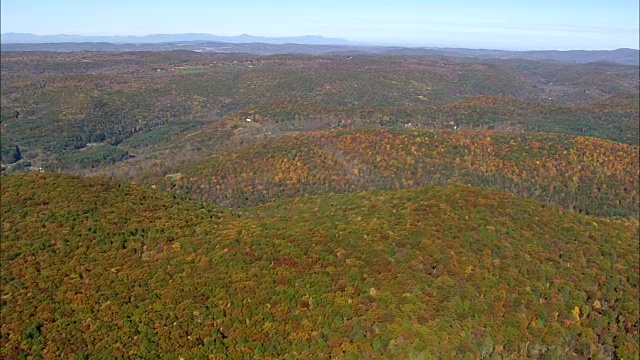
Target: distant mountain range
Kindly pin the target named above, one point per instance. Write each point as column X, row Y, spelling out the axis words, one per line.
column 313, row 45
column 24, row 38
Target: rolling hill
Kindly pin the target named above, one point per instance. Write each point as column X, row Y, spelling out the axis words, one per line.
column 99, row 269
column 462, row 205
column 579, row 173
column 87, row 110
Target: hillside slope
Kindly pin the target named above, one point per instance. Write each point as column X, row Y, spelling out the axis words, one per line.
column 614, row 119
column 73, row 111
column 98, row 270
column 579, row 173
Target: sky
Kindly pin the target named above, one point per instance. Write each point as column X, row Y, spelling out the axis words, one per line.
column 492, row 24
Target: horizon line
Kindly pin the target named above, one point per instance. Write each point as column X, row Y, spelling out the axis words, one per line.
column 352, row 42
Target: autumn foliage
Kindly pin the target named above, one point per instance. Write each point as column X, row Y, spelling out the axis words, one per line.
column 55, row 105
column 584, row 174
column 96, row 269
column 317, row 207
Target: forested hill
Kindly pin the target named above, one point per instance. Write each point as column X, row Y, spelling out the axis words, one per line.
column 79, row 111
column 588, row 175
column 446, row 271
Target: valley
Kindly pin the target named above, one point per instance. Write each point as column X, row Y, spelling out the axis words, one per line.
column 193, row 205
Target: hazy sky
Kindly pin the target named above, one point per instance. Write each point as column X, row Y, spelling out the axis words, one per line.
column 496, row 24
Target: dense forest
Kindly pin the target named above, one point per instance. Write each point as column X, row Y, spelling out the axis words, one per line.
column 79, row 111
column 185, row 205
column 98, row 269
column 583, row 174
